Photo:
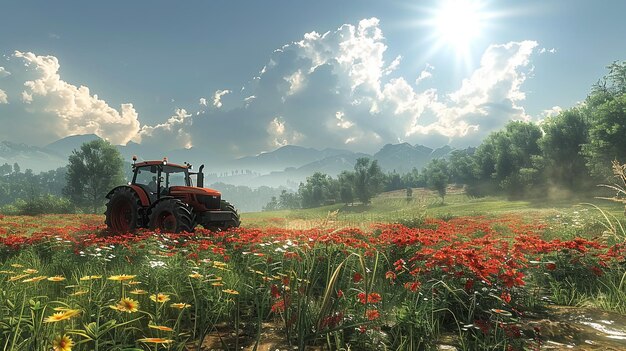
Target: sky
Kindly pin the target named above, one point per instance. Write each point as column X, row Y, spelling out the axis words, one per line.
column 244, row 77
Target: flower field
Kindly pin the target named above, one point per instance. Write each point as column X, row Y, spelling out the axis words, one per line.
column 66, row 284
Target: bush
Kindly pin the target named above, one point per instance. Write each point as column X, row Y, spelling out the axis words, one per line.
column 44, row 204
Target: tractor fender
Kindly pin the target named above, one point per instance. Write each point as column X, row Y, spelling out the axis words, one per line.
column 145, row 201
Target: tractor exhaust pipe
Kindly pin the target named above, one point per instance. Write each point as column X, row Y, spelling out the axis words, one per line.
column 200, row 179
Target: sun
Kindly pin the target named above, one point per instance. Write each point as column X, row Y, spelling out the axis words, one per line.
column 458, row 22
column 457, row 25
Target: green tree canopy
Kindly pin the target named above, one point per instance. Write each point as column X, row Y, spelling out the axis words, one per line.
column 92, row 172
column 368, row 179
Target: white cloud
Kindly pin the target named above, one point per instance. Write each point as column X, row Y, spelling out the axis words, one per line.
column 4, row 72
column 173, row 134
column 53, row 108
column 217, row 97
column 425, row 74
column 334, row 89
column 3, row 97
column 549, row 51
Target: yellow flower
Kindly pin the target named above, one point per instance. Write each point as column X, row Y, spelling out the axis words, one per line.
column 79, row 292
column 7, row 272
column 31, row 271
column 90, row 277
column 231, row 291
column 138, row 292
column 156, row 340
column 132, row 282
column 196, row 275
column 160, row 327
column 34, row 279
column 16, row 265
column 160, row 298
column 56, row 278
column 62, row 343
column 60, row 316
column 217, row 284
column 180, row 305
column 122, row 277
column 17, row 277
column 219, row 264
column 126, row 305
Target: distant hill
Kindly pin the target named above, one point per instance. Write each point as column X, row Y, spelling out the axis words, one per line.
column 285, row 166
column 36, row 158
column 68, row 144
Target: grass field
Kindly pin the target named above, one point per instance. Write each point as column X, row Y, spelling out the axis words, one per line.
column 398, row 274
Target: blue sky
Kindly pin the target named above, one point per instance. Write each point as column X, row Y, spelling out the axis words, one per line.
column 153, row 70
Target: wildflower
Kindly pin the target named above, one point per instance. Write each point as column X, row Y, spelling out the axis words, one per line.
column 180, row 305
column 56, row 278
column 372, row 314
column 357, row 277
column 217, row 284
column 16, row 265
column 34, row 279
column 156, row 340
column 339, row 293
column 160, row 327
column 79, row 292
column 159, row 298
column 196, row 275
column 371, row 298
column 7, row 272
column 122, row 277
column 31, row 271
column 132, row 282
column 61, row 316
column 138, row 292
column 390, row 275
column 126, row 305
column 17, row 277
column 90, row 277
column 62, row 343
column 231, row 291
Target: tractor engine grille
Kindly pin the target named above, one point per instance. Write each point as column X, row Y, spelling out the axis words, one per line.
column 209, row 201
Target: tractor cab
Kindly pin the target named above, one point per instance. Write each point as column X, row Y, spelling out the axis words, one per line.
column 156, row 178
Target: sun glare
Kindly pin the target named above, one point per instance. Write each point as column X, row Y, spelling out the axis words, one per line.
column 457, row 25
column 458, row 22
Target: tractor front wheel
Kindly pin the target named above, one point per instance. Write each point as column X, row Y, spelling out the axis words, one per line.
column 171, row 215
column 122, row 214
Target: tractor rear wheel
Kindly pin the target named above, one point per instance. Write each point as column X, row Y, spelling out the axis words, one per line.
column 171, row 215
column 122, row 213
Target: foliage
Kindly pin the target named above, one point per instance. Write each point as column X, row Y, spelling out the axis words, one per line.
column 436, row 174
column 368, row 179
column 92, row 172
column 44, row 204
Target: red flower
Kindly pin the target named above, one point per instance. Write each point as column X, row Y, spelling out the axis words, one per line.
column 339, row 293
column 357, row 277
column 505, row 296
column 372, row 314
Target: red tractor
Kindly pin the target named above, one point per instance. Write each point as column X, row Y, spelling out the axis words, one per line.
column 162, row 196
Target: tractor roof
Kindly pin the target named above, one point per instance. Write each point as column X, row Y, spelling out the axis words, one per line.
column 157, row 163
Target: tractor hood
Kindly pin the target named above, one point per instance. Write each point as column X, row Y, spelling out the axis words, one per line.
column 177, row 190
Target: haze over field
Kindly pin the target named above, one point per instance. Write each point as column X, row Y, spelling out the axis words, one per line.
column 240, row 78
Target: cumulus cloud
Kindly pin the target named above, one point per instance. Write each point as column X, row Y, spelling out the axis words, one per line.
column 335, row 89
column 3, row 97
column 173, row 134
column 48, row 108
column 332, row 89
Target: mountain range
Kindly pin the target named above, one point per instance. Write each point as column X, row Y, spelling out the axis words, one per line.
column 285, row 166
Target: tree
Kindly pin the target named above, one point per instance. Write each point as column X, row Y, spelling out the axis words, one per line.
column 436, row 174
column 346, row 192
column 368, row 179
column 607, row 137
column 561, row 148
column 16, row 168
column 316, row 191
column 92, row 172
